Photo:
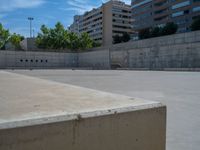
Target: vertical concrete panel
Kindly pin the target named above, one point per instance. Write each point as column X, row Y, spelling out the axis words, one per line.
column 95, row 60
column 140, row 130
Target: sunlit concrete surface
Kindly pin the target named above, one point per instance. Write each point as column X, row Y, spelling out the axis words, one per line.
column 41, row 114
column 180, row 91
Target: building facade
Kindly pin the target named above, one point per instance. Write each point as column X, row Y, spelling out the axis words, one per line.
column 112, row 18
column 150, row 13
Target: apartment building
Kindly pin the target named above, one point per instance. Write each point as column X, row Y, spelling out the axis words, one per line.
column 149, row 13
column 74, row 27
column 110, row 19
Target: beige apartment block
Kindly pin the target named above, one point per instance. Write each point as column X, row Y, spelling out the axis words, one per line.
column 102, row 23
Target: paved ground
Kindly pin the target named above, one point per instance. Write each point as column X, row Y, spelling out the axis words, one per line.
column 180, row 91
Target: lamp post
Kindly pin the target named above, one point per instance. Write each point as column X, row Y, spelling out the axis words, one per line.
column 30, row 19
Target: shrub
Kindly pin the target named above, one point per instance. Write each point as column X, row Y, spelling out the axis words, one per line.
column 195, row 24
column 145, row 33
column 168, row 29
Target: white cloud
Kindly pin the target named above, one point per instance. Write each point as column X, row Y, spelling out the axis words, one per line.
column 126, row 1
column 10, row 5
column 80, row 6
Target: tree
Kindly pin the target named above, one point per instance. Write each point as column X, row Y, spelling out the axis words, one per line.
column 155, row 32
column 117, row 39
column 144, row 34
column 15, row 40
column 85, row 41
column 125, row 37
column 169, row 28
column 96, row 44
column 42, row 38
column 59, row 38
column 195, row 24
column 73, row 42
column 4, row 36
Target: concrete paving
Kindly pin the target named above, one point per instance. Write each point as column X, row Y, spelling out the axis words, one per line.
column 37, row 100
column 41, row 114
column 180, row 91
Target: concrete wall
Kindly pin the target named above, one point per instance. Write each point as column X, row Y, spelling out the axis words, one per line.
column 174, row 51
column 37, row 114
column 140, row 130
column 34, row 60
column 96, row 59
column 16, row 59
column 28, row 44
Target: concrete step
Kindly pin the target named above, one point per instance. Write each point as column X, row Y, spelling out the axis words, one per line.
column 45, row 115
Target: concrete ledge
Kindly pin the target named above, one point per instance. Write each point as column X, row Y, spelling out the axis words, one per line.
column 39, row 114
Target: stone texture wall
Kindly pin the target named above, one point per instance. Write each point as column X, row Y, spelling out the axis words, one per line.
column 39, row 60
column 174, row 51
column 31, row 60
column 94, row 59
column 168, row 52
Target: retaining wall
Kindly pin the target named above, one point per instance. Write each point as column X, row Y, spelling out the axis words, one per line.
column 94, row 59
column 174, row 51
column 17, row 59
column 39, row 60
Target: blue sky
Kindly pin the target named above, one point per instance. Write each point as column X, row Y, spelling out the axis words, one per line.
column 14, row 13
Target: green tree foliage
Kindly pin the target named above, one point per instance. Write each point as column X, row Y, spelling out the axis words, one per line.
column 95, row 44
column 168, row 29
column 56, row 38
column 4, row 36
column 15, row 40
column 59, row 38
column 195, row 24
column 85, row 41
column 155, row 32
column 126, row 37
column 144, row 34
column 119, row 39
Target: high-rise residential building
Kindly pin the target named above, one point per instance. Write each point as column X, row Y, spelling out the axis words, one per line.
column 110, row 19
column 150, row 13
column 74, row 27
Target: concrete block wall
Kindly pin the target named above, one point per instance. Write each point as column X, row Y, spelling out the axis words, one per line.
column 94, row 59
column 174, row 51
column 28, row 60
column 39, row 60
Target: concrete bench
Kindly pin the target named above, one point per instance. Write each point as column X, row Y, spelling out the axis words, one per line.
column 37, row 114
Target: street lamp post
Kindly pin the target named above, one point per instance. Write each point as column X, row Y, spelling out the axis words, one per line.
column 30, row 19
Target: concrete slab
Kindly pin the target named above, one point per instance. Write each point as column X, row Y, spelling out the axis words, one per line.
column 178, row 90
column 40, row 114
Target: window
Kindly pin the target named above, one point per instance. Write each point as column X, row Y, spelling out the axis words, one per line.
column 180, row 13
column 195, row 9
column 141, row 3
column 182, row 4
